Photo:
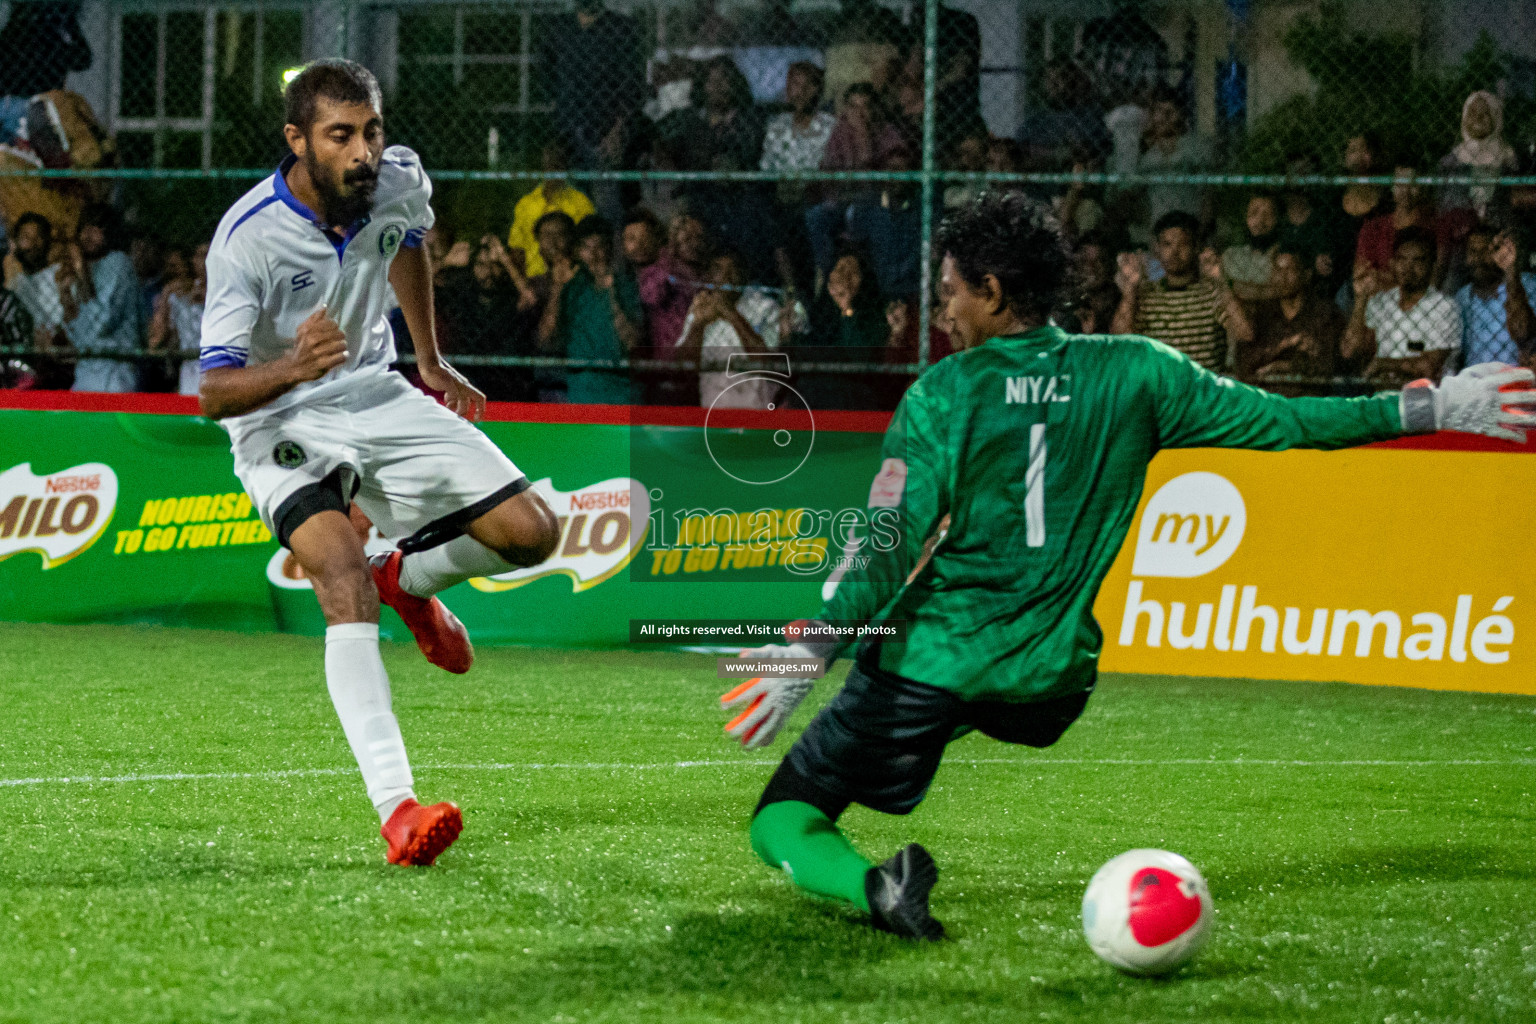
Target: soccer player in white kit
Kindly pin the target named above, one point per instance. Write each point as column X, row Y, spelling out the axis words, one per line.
column 295, row 361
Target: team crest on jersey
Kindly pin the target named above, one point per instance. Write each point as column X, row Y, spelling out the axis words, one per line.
column 289, row 455
column 389, row 239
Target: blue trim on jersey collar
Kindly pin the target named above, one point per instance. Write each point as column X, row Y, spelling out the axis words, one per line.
column 285, row 195
column 248, row 214
column 281, row 190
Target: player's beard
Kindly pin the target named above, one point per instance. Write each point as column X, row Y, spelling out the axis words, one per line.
column 352, row 206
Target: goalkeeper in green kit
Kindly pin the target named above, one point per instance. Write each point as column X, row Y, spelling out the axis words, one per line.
column 1019, row 461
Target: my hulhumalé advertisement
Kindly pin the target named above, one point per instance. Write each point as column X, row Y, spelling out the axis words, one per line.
column 1300, row 565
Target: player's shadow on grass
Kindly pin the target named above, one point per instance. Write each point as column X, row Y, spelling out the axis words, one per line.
column 800, row 953
column 1372, row 865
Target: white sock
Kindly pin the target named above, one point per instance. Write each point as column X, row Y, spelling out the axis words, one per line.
column 425, row 573
column 354, row 673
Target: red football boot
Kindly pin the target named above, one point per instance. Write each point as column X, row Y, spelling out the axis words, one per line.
column 417, row 834
column 438, row 632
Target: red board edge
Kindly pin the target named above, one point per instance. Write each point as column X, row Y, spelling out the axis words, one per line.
column 835, row 421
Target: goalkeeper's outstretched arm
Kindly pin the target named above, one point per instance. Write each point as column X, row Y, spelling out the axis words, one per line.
column 1197, row 409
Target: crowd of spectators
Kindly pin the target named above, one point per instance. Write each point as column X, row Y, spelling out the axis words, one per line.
column 1301, row 290
column 672, row 293
column 696, row 272
column 79, row 302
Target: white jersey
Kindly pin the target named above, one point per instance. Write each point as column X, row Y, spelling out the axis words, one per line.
column 272, row 263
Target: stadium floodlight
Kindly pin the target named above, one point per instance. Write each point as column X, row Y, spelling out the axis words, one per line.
column 289, row 74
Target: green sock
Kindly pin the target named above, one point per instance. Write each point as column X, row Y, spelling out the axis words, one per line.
column 812, row 850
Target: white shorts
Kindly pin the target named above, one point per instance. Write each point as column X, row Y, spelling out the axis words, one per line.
column 418, row 471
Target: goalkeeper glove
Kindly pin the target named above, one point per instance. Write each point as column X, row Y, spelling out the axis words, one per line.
column 770, row 700
column 773, row 699
column 1472, row 401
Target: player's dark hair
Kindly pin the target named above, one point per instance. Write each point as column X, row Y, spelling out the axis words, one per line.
column 1015, row 239
column 34, row 218
column 594, row 226
column 1416, row 235
column 557, row 217
column 335, row 79
column 1177, row 219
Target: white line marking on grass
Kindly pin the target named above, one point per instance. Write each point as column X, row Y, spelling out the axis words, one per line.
column 62, row 780
column 295, row 773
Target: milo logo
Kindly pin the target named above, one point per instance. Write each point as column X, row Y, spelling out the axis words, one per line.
column 59, row 515
column 602, row 526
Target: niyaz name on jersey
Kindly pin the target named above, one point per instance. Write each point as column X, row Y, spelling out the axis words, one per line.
column 1029, row 390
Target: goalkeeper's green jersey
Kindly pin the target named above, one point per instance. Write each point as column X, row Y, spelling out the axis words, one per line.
column 1036, row 447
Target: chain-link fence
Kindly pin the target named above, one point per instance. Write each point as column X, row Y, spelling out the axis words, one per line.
column 1321, row 197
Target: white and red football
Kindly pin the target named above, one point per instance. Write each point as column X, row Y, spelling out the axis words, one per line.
column 1147, row 912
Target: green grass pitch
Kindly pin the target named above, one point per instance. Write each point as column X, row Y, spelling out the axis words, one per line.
column 1369, row 850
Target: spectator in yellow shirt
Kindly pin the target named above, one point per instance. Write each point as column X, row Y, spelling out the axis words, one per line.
column 554, row 194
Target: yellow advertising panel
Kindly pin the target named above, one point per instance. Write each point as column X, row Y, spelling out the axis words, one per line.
column 1392, row 567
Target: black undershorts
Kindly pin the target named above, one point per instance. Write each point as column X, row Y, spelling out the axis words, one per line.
column 880, row 740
